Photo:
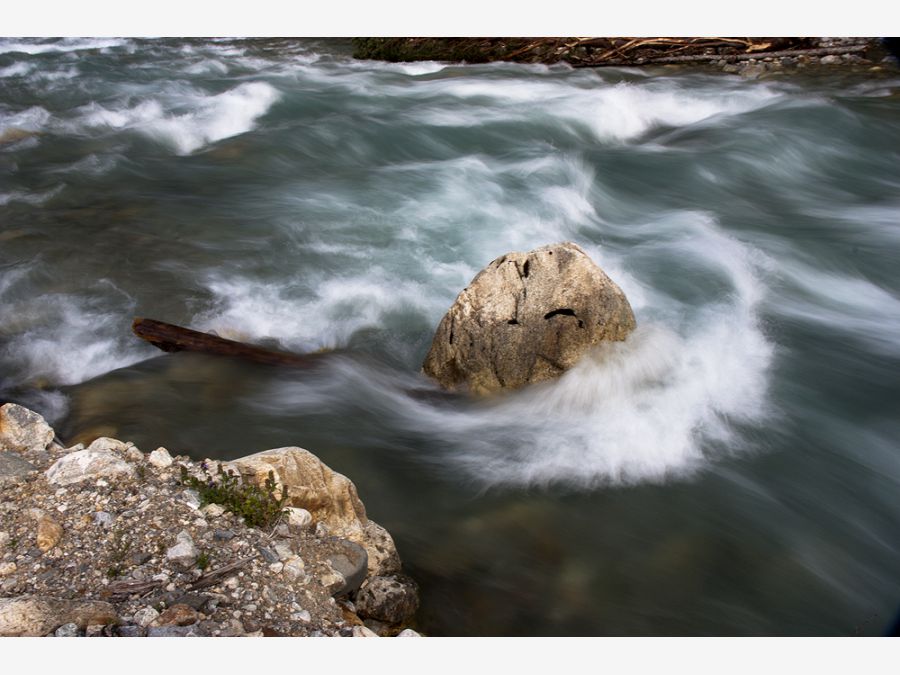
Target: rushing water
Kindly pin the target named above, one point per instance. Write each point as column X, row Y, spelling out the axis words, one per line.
column 733, row 468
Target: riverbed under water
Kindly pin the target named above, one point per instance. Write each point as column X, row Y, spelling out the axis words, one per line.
column 732, row 469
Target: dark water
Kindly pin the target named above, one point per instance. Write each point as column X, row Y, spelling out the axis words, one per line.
column 733, row 468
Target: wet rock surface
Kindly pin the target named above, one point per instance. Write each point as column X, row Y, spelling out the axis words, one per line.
column 89, row 548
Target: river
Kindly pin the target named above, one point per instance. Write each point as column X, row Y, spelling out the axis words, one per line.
column 732, row 470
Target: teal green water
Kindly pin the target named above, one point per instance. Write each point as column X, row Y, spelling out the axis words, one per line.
column 732, row 469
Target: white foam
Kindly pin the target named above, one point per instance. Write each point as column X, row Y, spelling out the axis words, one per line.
column 612, row 112
column 851, row 306
column 307, row 320
column 209, row 118
column 65, row 45
column 66, row 340
column 16, row 70
column 647, row 409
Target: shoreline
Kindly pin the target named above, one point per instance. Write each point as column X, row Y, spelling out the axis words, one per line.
column 748, row 57
column 109, row 540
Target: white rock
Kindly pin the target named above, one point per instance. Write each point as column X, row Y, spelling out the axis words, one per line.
column 7, row 568
column 362, row 631
column 298, row 518
column 274, row 567
column 302, row 615
column 88, row 464
column 184, row 552
column 283, row 550
column 160, row 458
column 294, row 568
column 191, row 498
column 408, row 632
column 144, row 617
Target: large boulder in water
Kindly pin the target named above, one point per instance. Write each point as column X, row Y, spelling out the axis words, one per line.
column 525, row 318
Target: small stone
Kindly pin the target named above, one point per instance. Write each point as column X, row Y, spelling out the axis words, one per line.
column 140, row 558
column 131, row 631
column 49, row 532
column 294, row 568
column 104, row 519
column 172, row 631
column 269, row 555
column 362, row 631
column 212, row 510
column 184, row 552
column 160, row 458
column 7, row 568
column 132, row 454
column 68, row 630
column 94, row 630
column 332, row 581
column 178, row 615
column 191, row 498
column 830, row 60
column 231, row 583
column 408, row 632
column 302, row 615
column 283, row 550
column 298, row 518
column 223, row 535
column 274, row 567
column 144, row 617
column 4, row 540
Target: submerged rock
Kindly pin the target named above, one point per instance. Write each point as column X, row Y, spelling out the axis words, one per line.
column 527, row 317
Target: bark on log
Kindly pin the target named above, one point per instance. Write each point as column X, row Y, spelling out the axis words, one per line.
column 172, row 338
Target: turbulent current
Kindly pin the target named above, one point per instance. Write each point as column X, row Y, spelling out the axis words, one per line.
column 732, row 468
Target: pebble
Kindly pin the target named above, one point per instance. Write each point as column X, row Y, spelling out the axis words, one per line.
column 178, row 615
column 7, row 568
column 103, row 519
column 213, row 510
column 144, row 617
column 68, row 630
column 132, row 454
column 160, row 458
column 49, row 532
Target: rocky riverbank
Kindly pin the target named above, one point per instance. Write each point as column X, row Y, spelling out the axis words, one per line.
column 109, row 540
column 749, row 57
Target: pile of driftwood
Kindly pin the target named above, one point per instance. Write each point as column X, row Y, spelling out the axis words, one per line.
column 600, row 51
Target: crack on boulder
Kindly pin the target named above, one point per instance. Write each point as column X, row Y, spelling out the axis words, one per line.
column 564, row 311
column 513, row 322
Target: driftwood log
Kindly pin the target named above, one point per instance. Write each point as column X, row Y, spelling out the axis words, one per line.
column 172, row 338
